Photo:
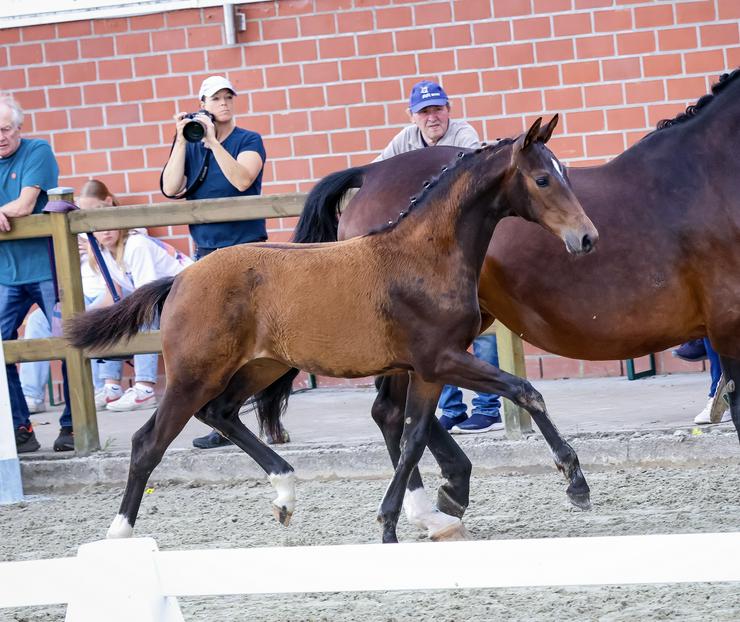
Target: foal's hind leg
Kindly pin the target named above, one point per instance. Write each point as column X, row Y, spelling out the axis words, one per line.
column 222, row 413
column 731, row 370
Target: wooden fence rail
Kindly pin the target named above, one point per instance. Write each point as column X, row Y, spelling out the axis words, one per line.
column 63, row 229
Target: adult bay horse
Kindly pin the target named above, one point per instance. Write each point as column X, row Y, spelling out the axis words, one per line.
column 403, row 299
column 667, row 270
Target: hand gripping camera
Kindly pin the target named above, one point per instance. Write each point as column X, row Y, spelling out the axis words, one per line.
column 194, row 130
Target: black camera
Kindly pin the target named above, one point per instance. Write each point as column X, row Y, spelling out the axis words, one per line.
column 194, row 130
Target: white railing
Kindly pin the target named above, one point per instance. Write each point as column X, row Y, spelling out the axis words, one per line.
column 125, row 580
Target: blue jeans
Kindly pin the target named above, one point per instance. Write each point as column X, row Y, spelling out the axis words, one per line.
column 715, row 367
column 450, row 401
column 15, row 301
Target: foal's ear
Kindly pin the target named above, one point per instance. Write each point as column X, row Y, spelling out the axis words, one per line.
column 525, row 140
column 547, row 131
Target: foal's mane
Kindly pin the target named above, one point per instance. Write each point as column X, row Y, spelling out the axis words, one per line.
column 443, row 180
column 691, row 111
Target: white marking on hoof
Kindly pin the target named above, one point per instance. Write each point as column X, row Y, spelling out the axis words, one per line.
column 120, row 528
column 284, row 504
column 422, row 514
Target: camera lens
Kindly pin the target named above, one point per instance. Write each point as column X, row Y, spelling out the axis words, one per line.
column 193, row 131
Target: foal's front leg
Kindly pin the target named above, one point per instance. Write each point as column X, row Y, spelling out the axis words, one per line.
column 463, row 369
column 421, row 402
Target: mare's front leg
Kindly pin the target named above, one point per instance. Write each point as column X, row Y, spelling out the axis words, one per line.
column 731, row 369
column 463, row 369
column 421, row 402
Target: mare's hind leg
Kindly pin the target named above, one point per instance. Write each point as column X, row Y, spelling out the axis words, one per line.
column 387, row 412
column 731, row 369
column 463, row 369
column 222, row 413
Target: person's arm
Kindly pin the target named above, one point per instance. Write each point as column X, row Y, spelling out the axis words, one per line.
column 22, row 206
column 242, row 171
column 173, row 176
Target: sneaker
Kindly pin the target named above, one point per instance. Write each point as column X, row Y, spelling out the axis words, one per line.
column 450, row 422
column 705, row 416
column 211, row 440
column 691, row 351
column 65, row 441
column 34, row 405
column 477, row 424
column 25, row 440
column 108, row 394
column 135, row 398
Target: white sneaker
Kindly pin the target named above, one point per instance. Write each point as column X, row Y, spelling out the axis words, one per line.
column 108, row 394
column 135, row 398
column 34, row 405
column 704, row 416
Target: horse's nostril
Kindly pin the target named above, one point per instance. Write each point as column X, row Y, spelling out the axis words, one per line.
column 587, row 244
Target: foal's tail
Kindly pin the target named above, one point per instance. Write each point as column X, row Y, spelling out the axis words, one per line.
column 320, row 217
column 104, row 327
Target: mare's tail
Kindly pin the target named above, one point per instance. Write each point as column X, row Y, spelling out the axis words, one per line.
column 104, row 327
column 320, row 217
column 270, row 405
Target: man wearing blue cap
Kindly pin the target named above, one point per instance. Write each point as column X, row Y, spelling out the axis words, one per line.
column 429, row 110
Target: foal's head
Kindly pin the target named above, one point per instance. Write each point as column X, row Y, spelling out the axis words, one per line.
column 538, row 190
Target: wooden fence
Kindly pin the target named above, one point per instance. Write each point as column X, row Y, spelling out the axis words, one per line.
column 64, row 228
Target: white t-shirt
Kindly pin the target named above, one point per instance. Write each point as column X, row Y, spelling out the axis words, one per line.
column 458, row 134
column 145, row 259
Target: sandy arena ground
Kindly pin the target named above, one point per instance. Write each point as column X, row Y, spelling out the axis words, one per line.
column 640, row 501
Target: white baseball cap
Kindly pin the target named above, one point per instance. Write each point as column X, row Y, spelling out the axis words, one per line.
column 213, row 85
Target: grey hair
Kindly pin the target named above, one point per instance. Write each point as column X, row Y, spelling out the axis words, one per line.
column 16, row 111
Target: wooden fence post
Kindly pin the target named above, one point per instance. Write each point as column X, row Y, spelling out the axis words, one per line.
column 511, row 359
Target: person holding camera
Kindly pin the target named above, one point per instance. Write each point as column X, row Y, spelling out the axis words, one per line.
column 212, row 158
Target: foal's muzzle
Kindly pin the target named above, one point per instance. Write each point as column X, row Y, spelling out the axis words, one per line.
column 581, row 243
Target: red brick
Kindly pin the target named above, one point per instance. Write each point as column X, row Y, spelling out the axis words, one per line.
column 106, row 139
column 563, row 99
column 661, row 65
column 69, row 142
column 115, row 69
column 719, row 34
column 359, row 69
column 497, row 80
column 294, row 7
column 636, row 42
column 571, row 24
column 525, row 101
column 472, row 10
column 166, row 40
column 178, row 86
column 621, row 68
column 67, row 30
column 155, row 157
column 693, row 12
column 337, row 47
column 97, row 47
column 591, row 4
column 397, row 65
column 292, row 169
column 10, row 35
column 595, row 47
column 329, row 119
column 65, row 97
column 50, row 120
column 492, row 32
column 601, row 369
column 515, row 54
column 184, row 17
column 686, row 88
column 306, row 97
column 452, row 36
column 92, row 117
column 581, row 72
column 467, row 58
column 663, row 111
column 126, row 160
column 122, row 114
column 383, row 91
column 625, row 118
column 510, row 8
column 393, row 17
column 344, row 94
column 142, row 181
column 704, row 62
column 279, row 147
column 380, row 137
column 38, row 32
column 299, row 51
column 56, row 51
column 158, row 111
column 79, row 72
column 151, row 66
column 552, row 6
column 204, row 37
column 321, row 73
column 532, row 28
column 413, row 40
column 603, row 95
column 444, row 60
column 355, row 21
column 26, row 54
column 185, row 62
column 286, row 75
column 555, row 50
column 151, row 21
column 484, row 106
column 286, row 28
column 141, row 135
column 733, row 56
column 87, row 163
column 374, row 44
column 44, row 76
column 262, row 54
column 324, row 166
column 584, row 121
column 367, row 116
column 224, row 58
column 556, row 367
column 634, row 137
column 268, row 101
column 110, row 26
column 644, row 91
column 652, row 16
column 315, row 25
column 290, row 122
column 612, row 21
column 137, row 43
column 567, row 147
column 542, row 75
column 432, row 13
column 310, row 144
column 136, row 91
column 99, row 93
column 678, row 39
column 728, row 9
column 607, row 145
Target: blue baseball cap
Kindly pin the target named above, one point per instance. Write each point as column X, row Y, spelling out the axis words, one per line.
column 427, row 93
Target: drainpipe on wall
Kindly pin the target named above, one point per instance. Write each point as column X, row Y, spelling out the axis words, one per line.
column 233, row 22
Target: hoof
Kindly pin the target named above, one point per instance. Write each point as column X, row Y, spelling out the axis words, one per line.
column 446, row 504
column 581, row 500
column 282, row 515
column 455, row 531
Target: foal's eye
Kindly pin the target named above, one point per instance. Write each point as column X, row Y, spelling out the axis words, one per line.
column 542, row 182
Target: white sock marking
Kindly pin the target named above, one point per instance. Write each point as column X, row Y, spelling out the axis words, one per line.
column 120, row 528
column 284, row 485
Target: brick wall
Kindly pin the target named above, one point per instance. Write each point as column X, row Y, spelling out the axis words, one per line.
column 325, row 82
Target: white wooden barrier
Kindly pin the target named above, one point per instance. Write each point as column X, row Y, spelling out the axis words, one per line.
column 11, row 488
column 124, row 580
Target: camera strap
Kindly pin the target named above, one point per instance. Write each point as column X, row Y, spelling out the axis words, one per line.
column 196, row 183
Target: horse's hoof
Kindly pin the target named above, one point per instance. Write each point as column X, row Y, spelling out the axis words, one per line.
column 455, row 531
column 448, row 505
column 581, row 500
column 282, row 515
